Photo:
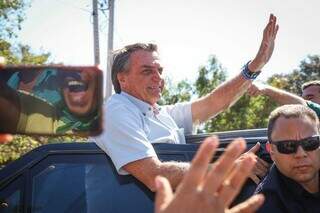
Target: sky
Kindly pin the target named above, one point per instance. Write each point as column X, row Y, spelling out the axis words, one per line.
column 187, row 32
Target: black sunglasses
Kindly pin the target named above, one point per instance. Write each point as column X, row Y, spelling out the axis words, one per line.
column 291, row 146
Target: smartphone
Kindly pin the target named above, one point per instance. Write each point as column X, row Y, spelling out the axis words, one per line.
column 51, row 100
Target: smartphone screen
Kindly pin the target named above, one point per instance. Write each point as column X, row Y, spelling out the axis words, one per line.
column 51, row 100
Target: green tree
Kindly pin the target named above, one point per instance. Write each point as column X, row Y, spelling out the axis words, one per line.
column 11, row 17
column 21, row 54
column 174, row 93
column 238, row 116
column 7, row 52
column 309, row 69
column 26, row 56
column 246, row 113
column 210, row 76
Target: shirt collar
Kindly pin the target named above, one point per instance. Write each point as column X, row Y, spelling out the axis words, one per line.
column 145, row 108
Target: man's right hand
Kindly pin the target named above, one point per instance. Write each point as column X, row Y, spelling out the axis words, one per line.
column 267, row 45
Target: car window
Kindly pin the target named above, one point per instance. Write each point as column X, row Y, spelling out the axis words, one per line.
column 11, row 196
column 84, row 183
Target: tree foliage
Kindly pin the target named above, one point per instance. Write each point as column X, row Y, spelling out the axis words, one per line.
column 174, row 93
column 210, row 76
column 22, row 144
column 21, row 54
column 309, row 70
column 11, row 17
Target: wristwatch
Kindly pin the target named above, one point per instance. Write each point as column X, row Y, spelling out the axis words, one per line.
column 247, row 73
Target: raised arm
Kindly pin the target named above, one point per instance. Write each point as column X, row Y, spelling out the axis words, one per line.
column 280, row 96
column 230, row 91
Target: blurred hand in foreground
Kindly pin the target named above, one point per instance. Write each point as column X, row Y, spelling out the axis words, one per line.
column 210, row 191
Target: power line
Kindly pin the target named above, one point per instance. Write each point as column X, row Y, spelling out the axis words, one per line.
column 74, row 6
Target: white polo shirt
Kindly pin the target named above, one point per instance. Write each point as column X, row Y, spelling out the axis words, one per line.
column 131, row 125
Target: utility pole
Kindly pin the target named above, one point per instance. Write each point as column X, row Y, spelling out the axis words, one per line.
column 110, row 49
column 96, row 48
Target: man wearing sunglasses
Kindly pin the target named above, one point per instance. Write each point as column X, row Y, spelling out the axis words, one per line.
column 292, row 184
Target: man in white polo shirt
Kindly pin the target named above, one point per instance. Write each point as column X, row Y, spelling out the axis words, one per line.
column 133, row 120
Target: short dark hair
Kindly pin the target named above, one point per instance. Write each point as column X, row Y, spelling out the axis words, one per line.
column 121, row 61
column 291, row 111
column 310, row 83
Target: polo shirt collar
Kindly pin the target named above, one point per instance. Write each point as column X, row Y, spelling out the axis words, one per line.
column 145, row 108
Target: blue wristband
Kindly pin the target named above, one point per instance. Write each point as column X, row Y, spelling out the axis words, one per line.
column 247, row 74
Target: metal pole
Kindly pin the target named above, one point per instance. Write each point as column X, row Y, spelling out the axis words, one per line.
column 96, row 49
column 110, row 49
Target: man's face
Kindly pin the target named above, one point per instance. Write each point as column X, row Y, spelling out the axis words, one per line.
column 143, row 80
column 312, row 93
column 302, row 166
